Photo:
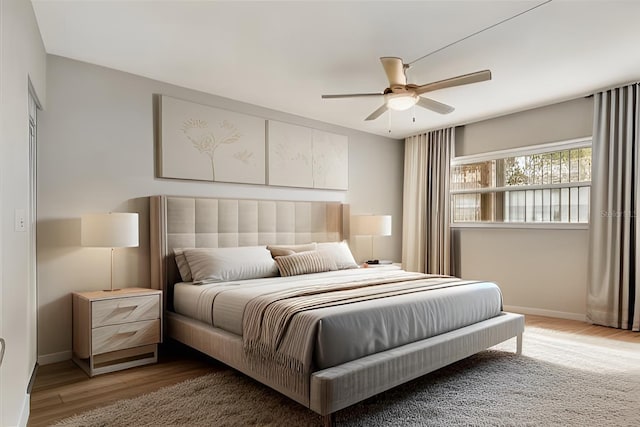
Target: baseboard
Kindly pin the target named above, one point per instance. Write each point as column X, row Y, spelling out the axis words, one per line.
column 32, row 380
column 24, row 414
column 48, row 359
column 548, row 313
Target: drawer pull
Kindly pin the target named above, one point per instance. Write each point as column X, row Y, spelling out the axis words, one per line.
column 124, row 334
column 127, row 308
column 117, row 312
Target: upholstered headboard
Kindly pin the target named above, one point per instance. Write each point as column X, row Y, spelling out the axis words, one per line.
column 188, row 222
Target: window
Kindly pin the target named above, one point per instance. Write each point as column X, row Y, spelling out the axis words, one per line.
column 549, row 183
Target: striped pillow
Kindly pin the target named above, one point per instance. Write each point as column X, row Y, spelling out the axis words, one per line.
column 304, row 263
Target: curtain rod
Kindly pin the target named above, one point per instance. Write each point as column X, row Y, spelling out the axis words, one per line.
column 618, row 86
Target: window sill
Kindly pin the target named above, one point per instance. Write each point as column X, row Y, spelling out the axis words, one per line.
column 522, row 225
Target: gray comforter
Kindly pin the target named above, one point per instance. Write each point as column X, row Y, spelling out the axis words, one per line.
column 349, row 331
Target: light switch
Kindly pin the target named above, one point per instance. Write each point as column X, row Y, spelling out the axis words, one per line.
column 21, row 220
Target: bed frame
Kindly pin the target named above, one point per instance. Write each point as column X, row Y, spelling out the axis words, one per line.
column 181, row 222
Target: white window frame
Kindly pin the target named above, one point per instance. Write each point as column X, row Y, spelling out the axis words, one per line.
column 522, row 151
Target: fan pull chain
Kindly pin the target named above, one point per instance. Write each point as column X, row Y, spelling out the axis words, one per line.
column 389, row 120
column 407, row 67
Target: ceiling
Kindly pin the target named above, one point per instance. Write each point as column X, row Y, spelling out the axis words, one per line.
column 285, row 55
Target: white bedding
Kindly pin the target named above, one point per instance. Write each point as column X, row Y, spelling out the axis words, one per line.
column 196, row 301
column 349, row 331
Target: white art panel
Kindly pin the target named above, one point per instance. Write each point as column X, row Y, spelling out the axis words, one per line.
column 209, row 144
column 305, row 157
column 330, row 161
column 290, row 155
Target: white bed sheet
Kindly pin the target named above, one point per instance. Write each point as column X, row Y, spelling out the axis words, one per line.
column 196, row 301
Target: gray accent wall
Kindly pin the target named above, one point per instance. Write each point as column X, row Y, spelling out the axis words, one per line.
column 540, row 271
column 556, row 122
column 96, row 154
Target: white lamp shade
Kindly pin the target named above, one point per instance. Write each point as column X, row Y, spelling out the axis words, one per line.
column 109, row 230
column 371, row 225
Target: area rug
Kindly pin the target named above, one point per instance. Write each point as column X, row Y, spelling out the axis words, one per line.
column 559, row 380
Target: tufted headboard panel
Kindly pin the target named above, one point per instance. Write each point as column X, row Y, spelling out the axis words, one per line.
column 188, row 222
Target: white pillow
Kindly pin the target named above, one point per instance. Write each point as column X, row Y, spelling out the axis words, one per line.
column 340, row 253
column 225, row 264
column 280, row 250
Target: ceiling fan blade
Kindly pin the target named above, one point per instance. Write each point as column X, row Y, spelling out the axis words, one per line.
column 377, row 113
column 351, row 95
column 436, row 106
column 478, row 76
column 395, row 71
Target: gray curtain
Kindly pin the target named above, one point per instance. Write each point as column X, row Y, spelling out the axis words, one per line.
column 614, row 249
column 426, row 236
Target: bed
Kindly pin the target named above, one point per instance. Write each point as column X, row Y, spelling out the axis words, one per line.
column 381, row 327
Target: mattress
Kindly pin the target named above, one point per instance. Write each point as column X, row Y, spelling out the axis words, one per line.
column 350, row 331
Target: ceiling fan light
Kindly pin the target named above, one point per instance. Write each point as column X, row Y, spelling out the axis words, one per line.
column 401, row 102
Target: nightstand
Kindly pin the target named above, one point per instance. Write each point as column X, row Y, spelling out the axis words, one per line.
column 116, row 330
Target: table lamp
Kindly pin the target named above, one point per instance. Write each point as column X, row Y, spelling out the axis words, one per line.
column 371, row 225
column 109, row 230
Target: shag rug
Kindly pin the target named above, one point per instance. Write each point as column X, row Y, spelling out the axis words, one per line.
column 560, row 380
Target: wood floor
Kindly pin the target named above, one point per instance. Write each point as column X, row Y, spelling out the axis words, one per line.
column 62, row 389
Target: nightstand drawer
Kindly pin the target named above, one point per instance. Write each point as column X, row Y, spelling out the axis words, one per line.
column 127, row 335
column 124, row 310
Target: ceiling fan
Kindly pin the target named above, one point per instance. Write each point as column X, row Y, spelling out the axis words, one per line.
column 401, row 96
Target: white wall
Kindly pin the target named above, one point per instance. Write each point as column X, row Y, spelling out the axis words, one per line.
column 539, row 271
column 22, row 57
column 96, row 154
